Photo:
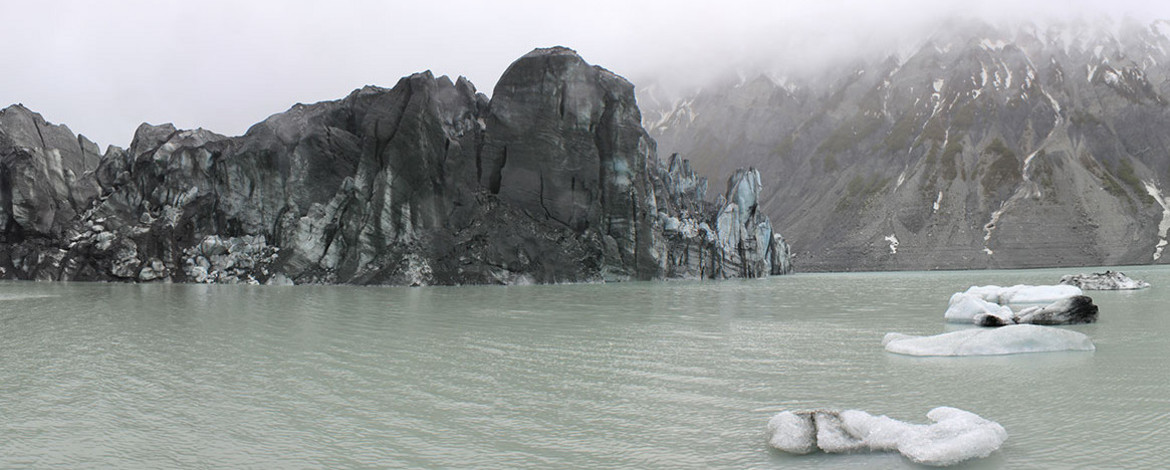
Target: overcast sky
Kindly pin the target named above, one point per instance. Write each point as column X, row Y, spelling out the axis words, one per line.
column 104, row 67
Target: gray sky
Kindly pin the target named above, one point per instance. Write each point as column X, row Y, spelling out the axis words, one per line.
column 104, row 67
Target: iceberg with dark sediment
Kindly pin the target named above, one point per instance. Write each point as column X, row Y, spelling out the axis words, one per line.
column 1108, row 280
column 1011, row 339
column 955, row 435
column 1068, row 311
column 1041, row 305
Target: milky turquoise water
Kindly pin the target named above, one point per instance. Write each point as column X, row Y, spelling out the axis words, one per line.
column 635, row 375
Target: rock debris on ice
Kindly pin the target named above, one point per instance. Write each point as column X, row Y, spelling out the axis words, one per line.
column 1067, row 311
column 986, row 306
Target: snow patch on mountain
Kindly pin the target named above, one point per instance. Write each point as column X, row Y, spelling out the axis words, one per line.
column 1164, row 224
column 990, row 45
column 893, row 243
column 1008, row 71
column 1032, row 189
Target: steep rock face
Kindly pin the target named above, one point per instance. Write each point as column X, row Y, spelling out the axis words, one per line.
column 985, row 148
column 424, row 183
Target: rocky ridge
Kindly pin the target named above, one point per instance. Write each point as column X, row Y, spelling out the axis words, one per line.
column 429, row 182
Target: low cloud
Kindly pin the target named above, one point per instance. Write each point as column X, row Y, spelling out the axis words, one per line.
column 224, row 65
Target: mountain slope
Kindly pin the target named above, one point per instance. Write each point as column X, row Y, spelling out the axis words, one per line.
column 985, row 148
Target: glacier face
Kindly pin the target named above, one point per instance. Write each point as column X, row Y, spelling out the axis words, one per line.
column 429, row 182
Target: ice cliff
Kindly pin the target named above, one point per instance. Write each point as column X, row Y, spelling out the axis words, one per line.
column 428, row 182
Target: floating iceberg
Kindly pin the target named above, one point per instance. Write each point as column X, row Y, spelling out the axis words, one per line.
column 1012, row 339
column 989, row 305
column 1024, row 294
column 964, row 307
column 1108, row 280
column 955, row 436
column 24, row 296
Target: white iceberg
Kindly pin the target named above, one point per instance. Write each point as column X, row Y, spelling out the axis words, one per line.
column 1011, row 339
column 964, row 307
column 955, row 436
column 1024, row 294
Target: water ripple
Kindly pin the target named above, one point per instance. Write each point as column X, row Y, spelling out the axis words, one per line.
column 638, row 375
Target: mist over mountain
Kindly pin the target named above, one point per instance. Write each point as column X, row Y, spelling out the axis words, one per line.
column 981, row 146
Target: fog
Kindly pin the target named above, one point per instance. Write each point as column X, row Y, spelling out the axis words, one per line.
column 104, row 67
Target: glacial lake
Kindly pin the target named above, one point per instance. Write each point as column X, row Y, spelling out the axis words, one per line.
column 631, row 375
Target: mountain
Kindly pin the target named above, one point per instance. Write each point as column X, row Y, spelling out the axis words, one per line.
column 428, row 182
column 985, row 148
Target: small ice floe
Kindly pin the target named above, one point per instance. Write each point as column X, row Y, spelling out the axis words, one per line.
column 1012, row 339
column 5, row 296
column 1024, row 294
column 955, row 435
column 1108, row 280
